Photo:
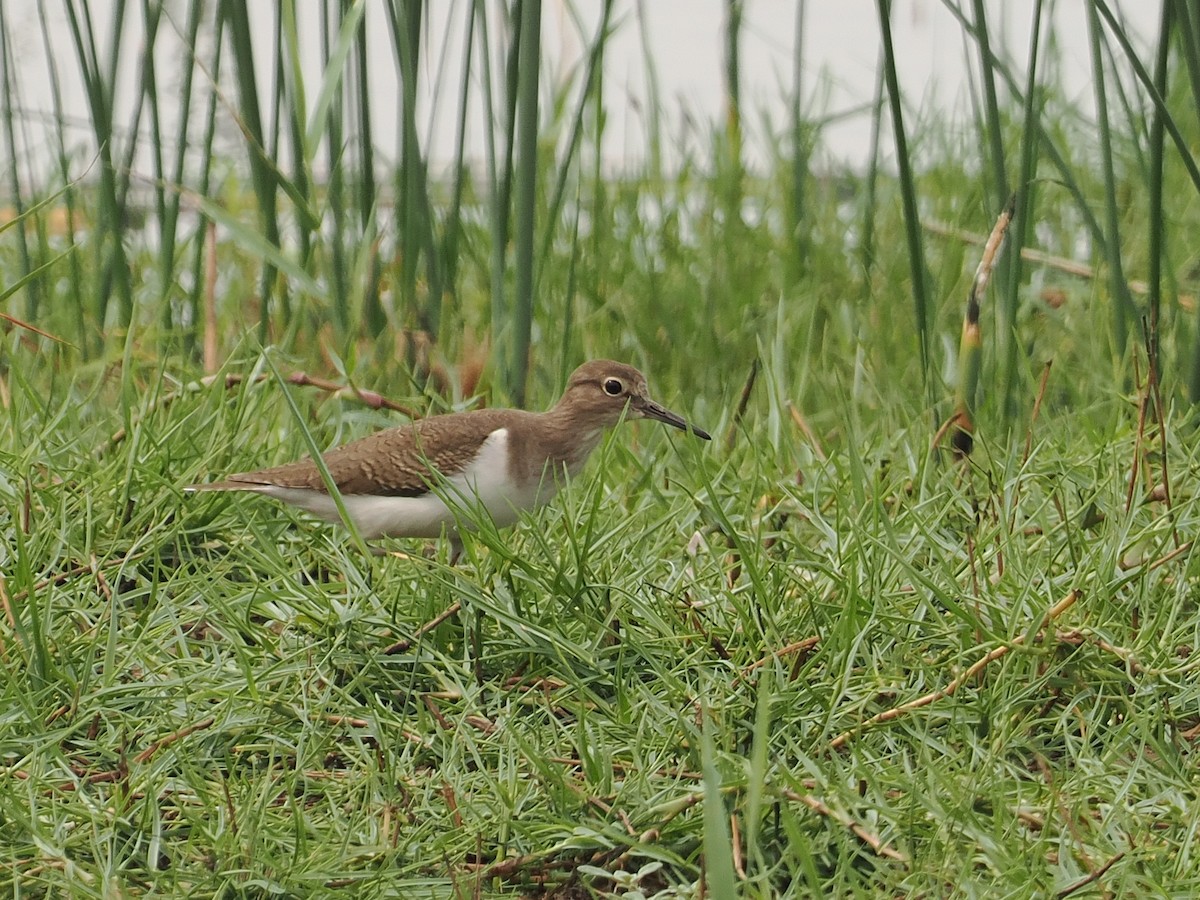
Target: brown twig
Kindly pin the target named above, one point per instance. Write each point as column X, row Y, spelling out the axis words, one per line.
column 405, row 643
column 871, row 840
column 954, row 420
column 623, row 767
column 1091, row 877
column 346, row 721
column 67, row 575
column 507, row 868
column 101, row 581
column 372, row 399
column 148, row 753
column 743, row 403
column 795, row 647
column 1163, row 560
column 1155, row 391
column 482, row 723
column 436, row 712
column 735, row 833
column 1032, row 820
column 1076, row 636
column 13, row 320
column 451, row 803
column 978, row 666
column 27, row 506
column 806, row 430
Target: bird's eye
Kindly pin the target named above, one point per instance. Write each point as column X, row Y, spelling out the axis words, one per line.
column 613, row 387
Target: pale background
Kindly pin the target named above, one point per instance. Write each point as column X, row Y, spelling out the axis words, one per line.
column 841, row 53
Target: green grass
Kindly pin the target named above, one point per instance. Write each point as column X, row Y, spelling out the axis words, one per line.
column 841, row 664
column 196, row 697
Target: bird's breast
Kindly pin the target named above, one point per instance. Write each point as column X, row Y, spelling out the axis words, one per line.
column 500, row 484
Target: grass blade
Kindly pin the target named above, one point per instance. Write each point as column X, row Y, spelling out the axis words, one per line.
column 922, row 303
column 262, row 172
column 718, row 843
column 521, row 327
column 1123, row 311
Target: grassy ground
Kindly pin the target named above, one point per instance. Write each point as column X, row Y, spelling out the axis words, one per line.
column 816, row 657
column 876, row 672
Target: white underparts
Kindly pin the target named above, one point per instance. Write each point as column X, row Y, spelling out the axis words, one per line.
column 485, row 483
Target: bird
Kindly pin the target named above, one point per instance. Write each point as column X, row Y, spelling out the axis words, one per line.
column 414, row 480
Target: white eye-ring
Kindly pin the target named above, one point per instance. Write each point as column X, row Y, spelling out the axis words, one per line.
column 613, row 387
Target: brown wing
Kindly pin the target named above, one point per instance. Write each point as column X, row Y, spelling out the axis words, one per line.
column 395, row 462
